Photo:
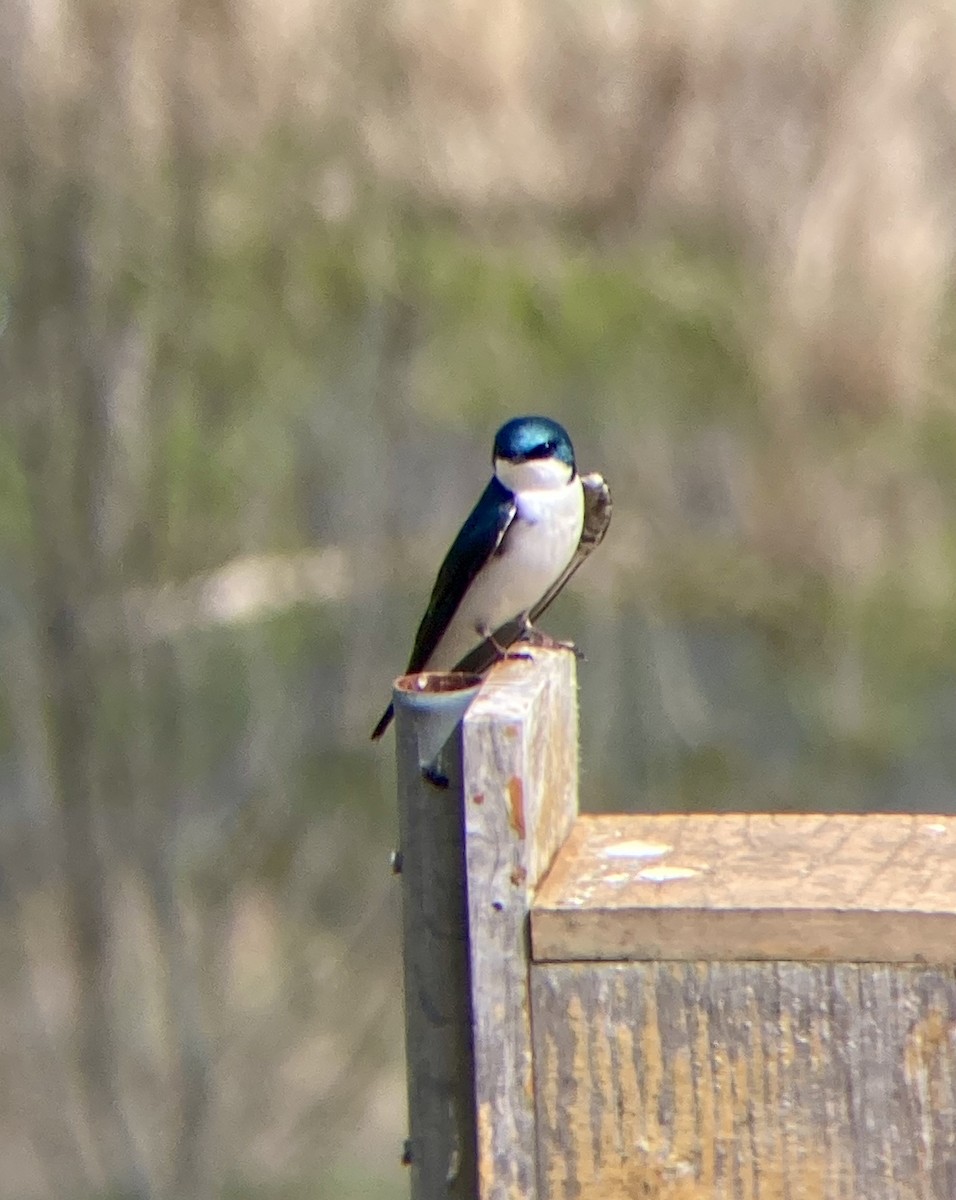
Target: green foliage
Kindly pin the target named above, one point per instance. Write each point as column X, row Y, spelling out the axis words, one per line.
column 261, row 314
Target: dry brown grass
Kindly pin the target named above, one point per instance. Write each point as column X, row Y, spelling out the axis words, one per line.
column 170, row 1023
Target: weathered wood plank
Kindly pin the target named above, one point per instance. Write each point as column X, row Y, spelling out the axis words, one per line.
column 745, row 1081
column 441, row 1148
column 520, row 773
column 874, row 888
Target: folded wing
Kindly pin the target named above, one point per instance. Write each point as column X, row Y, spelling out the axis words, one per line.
column 477, row 540
column 597, row 518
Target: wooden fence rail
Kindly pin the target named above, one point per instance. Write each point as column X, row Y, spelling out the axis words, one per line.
column 727, row 1007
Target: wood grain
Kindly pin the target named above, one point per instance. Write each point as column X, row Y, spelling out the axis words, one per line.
column 520, row 779
column 745, row 1081
column 874, row 888
column 441, row 1106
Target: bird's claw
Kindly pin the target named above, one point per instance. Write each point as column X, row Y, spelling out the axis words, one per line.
column 532, row 636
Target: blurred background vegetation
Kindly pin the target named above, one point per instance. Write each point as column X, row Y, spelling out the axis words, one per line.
column 263, row 266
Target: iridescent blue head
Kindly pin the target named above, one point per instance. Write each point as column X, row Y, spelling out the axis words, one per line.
column 533, row 452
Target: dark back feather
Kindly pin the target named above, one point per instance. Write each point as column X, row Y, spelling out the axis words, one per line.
column 477, row 540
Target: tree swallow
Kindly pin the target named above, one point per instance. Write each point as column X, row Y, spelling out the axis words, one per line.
column 535, row 523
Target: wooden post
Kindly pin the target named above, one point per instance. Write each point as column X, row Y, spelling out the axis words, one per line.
column 441, row 1104
column 521, row 784
column 511, row 772
column 759, row 1007
column 708, row 1007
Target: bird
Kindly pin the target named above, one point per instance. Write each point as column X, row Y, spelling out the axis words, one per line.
column 533, row 526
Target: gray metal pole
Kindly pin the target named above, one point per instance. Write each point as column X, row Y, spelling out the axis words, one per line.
column 441, row 1149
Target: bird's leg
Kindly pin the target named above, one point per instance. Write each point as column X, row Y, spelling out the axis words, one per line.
column 533, row 636
column 502, row 651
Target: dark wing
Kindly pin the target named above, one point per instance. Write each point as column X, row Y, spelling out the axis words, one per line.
column 477, row 540
column 597, row 518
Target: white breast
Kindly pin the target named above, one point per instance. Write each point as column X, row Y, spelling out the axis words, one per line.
column 538, row 546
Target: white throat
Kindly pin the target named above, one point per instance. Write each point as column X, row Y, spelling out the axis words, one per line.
column 535, row 475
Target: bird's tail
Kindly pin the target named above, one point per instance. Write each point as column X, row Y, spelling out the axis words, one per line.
column 384, row 722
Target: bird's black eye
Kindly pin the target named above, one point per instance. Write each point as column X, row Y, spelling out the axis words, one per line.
column 545, row 450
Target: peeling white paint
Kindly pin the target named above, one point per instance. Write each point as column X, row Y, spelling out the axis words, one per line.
column 636, row 849
column 664, row 874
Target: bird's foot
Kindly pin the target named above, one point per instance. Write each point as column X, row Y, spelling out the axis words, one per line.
column 532, row 636
column 503, row 652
